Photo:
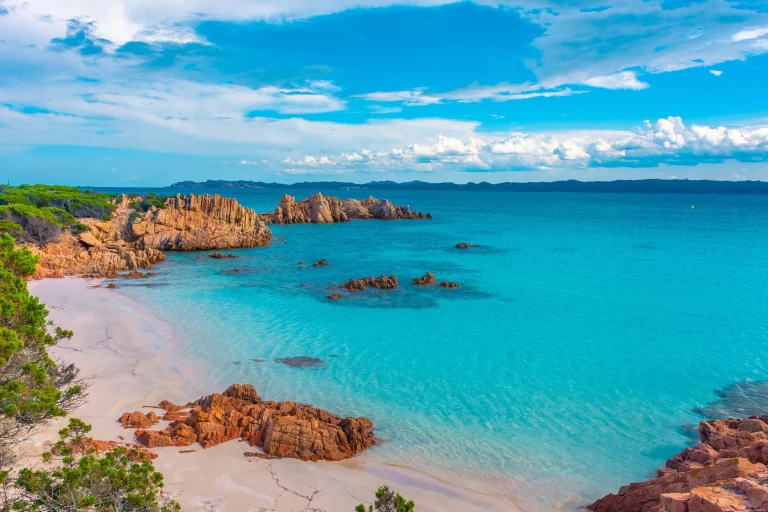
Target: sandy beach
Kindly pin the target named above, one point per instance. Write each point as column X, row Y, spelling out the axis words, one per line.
column 130, row 359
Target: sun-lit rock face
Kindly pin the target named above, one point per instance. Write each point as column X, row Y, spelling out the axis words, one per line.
column 132, row 240
column 190, row 223
column 725, row 472
column 281, row 429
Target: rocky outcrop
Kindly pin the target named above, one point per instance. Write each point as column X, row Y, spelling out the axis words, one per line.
column 318, row 209
column 382, row 282
column 281, row 429
column 138, row 419
column 335, row 296
column 428, row 278
column 465, row 245
column 725, row 472
column 449, row 284
column 72, row 256
column 131, row 240
column 192, row 223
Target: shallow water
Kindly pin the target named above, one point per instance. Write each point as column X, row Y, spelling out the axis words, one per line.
column 587, row 330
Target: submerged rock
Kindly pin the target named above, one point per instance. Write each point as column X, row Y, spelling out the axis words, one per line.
column 449, row 284
column 726, row 471
column 318, row 209
column 465, row 245
column 217, row 255
column 135, row 274
column 281, row 429
column 428, row 278
column 335, row 296
column 320, row 263
column 302, row 362
column 382, row 282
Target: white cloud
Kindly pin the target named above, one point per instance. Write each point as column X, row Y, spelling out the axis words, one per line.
column 622, row 80
column 668, row 140
column 247, row 162
column 190, row 117
column 745, row 35
column 715, row 72
column 471, row 94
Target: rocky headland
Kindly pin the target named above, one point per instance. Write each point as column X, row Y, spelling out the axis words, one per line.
column 318, row 209
column 725, row 472
column 131, row 239
column 280, row 429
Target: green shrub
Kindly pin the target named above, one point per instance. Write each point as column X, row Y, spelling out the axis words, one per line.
column 388, row 501
column 78, row 203
column 148, row 201
column 120, row 479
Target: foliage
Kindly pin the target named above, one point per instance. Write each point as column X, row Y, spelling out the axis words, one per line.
column 148, row 201
column 388, row 501
column 32, row 387
column 120, row 479
column 74, row 201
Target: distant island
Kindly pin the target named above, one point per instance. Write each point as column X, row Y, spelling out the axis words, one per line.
column 653, row 186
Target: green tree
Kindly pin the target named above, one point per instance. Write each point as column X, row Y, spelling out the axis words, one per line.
column 120, row 479
column 388, row 501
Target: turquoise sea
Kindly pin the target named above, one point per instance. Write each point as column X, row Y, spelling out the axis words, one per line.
column 587, row 330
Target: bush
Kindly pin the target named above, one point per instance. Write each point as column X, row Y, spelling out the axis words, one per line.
column 148, row 201
column 76, row 202
column 11, row 228
column 120, row 479
column 388, row 501
column 41, row 231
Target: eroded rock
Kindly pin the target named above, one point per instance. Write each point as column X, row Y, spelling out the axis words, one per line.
column 428, row 278
column 131, row 240
column 281, row 429
column 138, row 419
column 725, row 472
column 382, row 282
column 319, row 209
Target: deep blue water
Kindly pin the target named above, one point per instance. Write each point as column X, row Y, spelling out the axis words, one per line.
column 586, row 330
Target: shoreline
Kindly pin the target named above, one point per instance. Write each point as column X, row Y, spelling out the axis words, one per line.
column 131, row 359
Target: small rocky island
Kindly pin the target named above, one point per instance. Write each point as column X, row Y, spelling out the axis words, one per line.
column 725, row 472
column 281, row 429
column 318, row 209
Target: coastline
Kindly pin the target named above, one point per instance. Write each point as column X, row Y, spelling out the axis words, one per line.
column 132, row 359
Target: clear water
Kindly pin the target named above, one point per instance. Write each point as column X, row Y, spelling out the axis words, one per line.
column 586, row 330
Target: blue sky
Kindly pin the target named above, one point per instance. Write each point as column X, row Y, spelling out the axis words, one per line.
column 147, row 93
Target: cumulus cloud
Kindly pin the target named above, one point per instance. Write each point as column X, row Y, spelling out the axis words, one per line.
column 668, row 140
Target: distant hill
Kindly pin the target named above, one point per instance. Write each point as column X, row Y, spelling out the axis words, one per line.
column 619, row 186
